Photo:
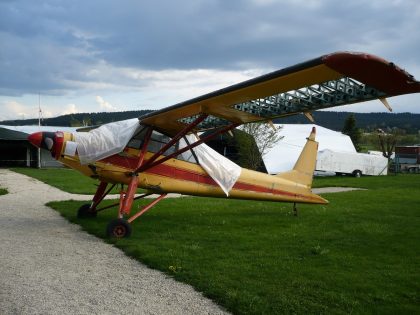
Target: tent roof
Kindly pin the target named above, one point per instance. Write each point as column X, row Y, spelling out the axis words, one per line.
column 283, row 156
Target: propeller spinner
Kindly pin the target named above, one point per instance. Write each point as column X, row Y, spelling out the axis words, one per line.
column 51, row 141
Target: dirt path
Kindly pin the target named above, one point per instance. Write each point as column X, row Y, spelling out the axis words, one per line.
column 48, row 266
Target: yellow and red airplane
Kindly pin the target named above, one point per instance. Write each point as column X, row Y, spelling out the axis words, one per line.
column 161, row 153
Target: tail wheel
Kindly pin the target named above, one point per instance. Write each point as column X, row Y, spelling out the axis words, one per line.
column 357, row 173
column 86, row 212
column 118, row 228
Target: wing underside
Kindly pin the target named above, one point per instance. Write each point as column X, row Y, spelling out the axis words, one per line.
column 328, row 81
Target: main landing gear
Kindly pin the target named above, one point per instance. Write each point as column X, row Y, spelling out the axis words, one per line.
column 85, row 211
column 120, row 227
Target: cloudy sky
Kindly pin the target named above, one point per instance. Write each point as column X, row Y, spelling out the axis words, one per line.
column 107, row 55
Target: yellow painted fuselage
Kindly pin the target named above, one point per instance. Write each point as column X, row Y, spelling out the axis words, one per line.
column 178, row 176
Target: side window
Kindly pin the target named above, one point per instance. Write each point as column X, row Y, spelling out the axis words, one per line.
column 188, row 156
column 137, row 140
column 157, row 141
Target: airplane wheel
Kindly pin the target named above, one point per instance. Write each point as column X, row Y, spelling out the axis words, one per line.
column 357, row 173
column 85, row 212
column 118, row 228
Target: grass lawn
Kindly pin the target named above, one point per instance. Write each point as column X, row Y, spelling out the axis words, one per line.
column 350, row 181
column 72, row 181
column 359, row 254
column 65, row 179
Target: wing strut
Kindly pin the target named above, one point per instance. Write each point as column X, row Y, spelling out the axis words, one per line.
column 386, row 104
column 191, row 146
column 174, row 140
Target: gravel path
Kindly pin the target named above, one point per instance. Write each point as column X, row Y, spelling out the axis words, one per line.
column 330, row 190
column 48, row 266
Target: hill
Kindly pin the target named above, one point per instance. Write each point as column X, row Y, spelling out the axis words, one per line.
column 79, row 119
column 332, row 120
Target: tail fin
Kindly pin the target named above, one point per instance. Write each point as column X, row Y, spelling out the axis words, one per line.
column 304, row 168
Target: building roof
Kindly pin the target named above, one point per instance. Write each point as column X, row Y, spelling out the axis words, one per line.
column 22, row 132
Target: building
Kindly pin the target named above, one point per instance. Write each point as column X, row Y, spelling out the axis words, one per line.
column 16, row 151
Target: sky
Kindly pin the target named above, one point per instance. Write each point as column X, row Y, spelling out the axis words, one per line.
column 106, row 55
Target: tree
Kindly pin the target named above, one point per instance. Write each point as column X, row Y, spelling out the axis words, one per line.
column 74, row 122
column 253, row 149
column 387, row 142
column 352, row 131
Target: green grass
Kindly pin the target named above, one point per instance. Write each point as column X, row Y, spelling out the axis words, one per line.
column 350, row 181
column 3, row 191
column 73, row 182
column 65, row 179
column 360, row 254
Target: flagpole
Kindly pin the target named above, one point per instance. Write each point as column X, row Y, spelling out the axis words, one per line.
column 39, row 125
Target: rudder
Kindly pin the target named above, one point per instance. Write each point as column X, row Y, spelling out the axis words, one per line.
column 304, row 168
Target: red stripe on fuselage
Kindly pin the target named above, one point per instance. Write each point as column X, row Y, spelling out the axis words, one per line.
column 188, row 175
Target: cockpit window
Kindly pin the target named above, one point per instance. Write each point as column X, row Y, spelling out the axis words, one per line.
column 157, row 141
column 189, row 155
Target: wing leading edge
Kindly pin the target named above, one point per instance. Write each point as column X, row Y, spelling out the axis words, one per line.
column 331, row 80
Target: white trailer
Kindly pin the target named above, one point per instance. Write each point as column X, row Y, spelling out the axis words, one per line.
column 356, row 164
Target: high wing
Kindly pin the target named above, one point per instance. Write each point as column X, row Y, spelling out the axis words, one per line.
column 328, row 81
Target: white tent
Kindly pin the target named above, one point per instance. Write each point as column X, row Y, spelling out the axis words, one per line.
column 283, row 155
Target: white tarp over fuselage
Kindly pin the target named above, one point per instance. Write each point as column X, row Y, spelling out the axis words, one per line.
column 223, row 171
column 106, row 140
column 283, row 156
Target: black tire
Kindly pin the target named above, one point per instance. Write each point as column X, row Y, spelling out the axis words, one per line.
column 85, row 212
column 357, row 173
column 118, row 228
column 412, row 170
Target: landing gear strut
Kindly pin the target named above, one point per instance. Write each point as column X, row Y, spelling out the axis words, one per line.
column 295, row 210
column 85, row 211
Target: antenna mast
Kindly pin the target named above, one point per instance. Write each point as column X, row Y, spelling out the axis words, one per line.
column 39, row 125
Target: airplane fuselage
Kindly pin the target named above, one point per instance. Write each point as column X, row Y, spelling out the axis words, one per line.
column 178, row 176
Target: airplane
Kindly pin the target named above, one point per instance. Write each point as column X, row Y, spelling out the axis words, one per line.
column 162, row 153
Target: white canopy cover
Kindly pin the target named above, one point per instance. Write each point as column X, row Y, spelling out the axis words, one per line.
column 107, row 140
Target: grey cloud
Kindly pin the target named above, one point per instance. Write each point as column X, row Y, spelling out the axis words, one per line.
column 47, row 44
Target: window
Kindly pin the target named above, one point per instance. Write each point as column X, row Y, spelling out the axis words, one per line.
column 157, row 141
